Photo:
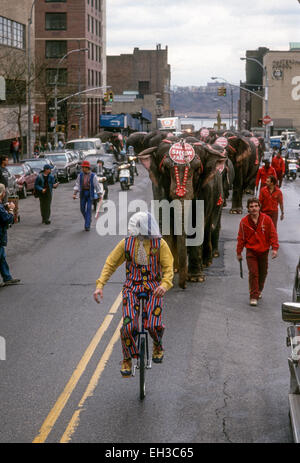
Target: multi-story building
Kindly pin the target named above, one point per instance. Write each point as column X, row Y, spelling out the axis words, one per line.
column 145, row 72
column 13, row 71
column 61, row 27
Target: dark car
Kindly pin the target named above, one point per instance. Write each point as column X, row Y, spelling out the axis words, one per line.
column 25, row 177
column 109, row 166
column 296, row 288
column 37, row 165
column 65, row 162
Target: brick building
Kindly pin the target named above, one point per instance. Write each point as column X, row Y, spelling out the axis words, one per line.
column 60, row 27
column 13, row 47
column 145, row 72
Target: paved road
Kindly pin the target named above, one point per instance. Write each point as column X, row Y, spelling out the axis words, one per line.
column 225, row 374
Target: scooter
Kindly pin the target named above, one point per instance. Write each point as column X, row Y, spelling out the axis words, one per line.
column 133, row 169
column 103, row 193
column 125, row 177
column 292, row 168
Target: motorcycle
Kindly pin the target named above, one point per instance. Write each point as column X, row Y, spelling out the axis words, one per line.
column 125, row 177
column 292, row 168
column 103, row 194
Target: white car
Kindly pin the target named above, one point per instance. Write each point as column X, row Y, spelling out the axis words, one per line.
column 85, row 146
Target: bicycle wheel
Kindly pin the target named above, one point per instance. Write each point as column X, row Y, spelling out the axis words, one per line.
column 142, row 369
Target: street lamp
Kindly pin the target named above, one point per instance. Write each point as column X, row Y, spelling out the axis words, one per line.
column 29, row 118
column 266, row 94
column 76, row 50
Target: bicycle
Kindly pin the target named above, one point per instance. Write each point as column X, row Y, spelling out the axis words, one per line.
column 143, row 360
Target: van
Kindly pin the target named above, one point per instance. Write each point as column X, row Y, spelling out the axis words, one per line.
column 85, row 146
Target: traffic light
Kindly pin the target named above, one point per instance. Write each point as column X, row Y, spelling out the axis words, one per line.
column 222, row 91
column 106, row 97
column 110, row 96
column 74, row 126
column 60, row 128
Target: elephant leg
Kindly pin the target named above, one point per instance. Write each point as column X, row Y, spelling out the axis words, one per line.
column 172, row 243
column 195, row 265
column 207, row 246
column 215, row 240
column 182, row 259
column 237, row 207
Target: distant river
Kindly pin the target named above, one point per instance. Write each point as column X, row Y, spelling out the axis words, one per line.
column 198, row 123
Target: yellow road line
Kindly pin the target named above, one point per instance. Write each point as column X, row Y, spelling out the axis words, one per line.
column 73, row 424
column 61, row 402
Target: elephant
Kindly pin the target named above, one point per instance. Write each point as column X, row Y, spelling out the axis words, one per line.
column 242, row 153
column 201, row 178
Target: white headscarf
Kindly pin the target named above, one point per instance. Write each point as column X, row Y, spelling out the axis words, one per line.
column 143, row 224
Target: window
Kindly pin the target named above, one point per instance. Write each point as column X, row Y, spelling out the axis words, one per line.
column 12, row 33
column 92, row 52
column 55, row 48
column 62, row 77
column 92, row 25
column 56, row 21
column 89, row 23
column 144, row 87
column 55, row 1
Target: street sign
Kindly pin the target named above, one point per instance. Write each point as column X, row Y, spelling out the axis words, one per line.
column 52, row 108
column 267, row 120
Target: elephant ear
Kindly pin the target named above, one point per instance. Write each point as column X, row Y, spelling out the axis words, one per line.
column 146, row 157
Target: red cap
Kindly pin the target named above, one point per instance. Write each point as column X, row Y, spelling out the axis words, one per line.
column 85, row 164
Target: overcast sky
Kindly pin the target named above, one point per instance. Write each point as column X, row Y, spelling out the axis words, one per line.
column 205, row 37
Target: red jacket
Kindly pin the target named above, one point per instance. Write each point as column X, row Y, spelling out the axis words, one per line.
column 269, row 201
column 278, row 164
column 263, row 174
column 259, row 239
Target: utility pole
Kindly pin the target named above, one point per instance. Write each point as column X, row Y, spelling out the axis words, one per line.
column 29, row 114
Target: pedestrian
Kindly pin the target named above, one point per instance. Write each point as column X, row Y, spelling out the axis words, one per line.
column 101, row 173
column 4, row 174
column 15, row 149
column 270, row 197
column 6, row 219
column 44, row 184
column 279, row 166
column 257, row 234
column 264, row 172
column 89, row 189
column 60, row 145
column 149, row 272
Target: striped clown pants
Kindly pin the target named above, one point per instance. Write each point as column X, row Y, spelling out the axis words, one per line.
column 152, row 321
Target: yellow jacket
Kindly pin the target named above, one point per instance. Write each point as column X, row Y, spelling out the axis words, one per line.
column 117, row 258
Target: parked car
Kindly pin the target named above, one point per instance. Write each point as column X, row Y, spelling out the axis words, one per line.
column 109, row 165
column 79, row 157
column 65, row 163
column 86, row 146
column 25, row 177
column 12, row 184
column 37, row 165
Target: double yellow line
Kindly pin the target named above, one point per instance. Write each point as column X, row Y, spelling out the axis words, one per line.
column 61, row 402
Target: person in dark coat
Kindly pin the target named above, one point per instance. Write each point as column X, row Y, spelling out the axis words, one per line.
column 44, row 184
column 6, row 219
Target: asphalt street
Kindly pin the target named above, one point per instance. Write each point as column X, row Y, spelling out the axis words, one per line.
column 225, row 375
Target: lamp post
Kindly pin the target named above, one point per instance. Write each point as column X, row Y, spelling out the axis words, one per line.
column 29, row 116
column 266, row 95
column 76, row 50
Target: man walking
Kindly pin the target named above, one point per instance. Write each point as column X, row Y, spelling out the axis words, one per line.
column 44, row 184
column 4, row 174
column 279, row 166
column 257, row 234
column 6, row 219
column 270, row 197
column 264, row 172
column 15, row 150
column 88, row 186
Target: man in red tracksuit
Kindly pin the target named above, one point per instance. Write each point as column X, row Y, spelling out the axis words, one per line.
column 257, row 234
column 270, row 197
column 279, row 166
column 264, row 172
